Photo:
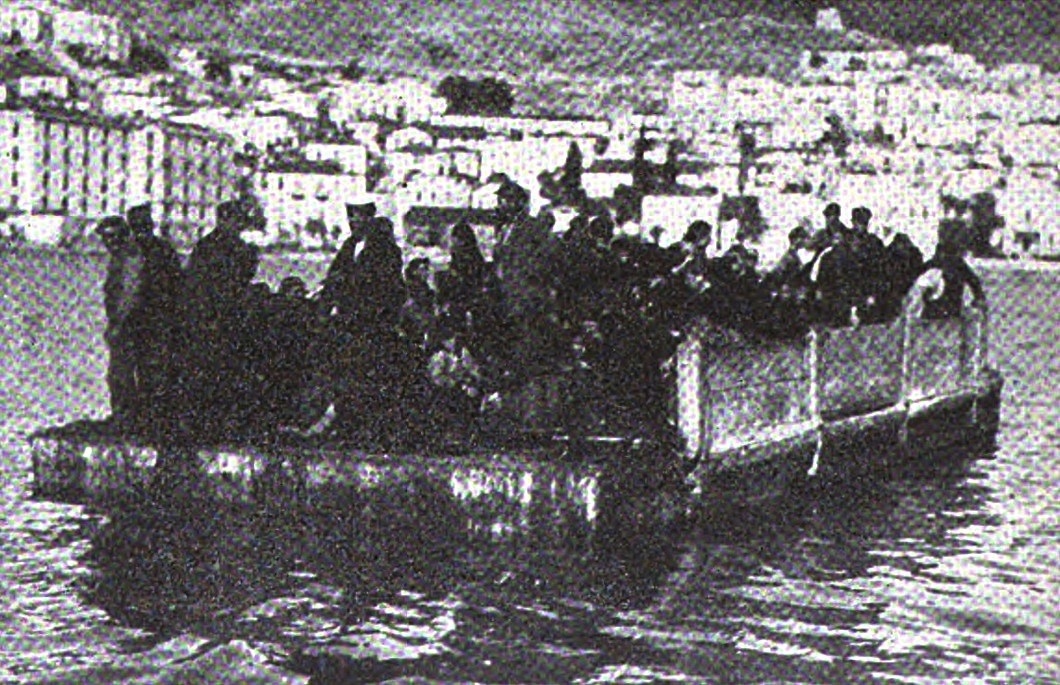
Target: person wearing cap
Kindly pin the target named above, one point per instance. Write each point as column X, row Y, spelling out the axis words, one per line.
column 833, row 273
column 121, row 297
column 158, row 316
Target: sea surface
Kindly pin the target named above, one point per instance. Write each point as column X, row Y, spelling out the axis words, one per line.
column 947, row 571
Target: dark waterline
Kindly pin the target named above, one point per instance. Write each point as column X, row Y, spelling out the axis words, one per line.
column 946, row 571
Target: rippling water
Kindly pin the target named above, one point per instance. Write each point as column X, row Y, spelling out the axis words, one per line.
column 944, row 572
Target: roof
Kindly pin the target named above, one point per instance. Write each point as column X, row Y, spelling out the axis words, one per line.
column 25, row 63
column 325, row 167
column 423, row 215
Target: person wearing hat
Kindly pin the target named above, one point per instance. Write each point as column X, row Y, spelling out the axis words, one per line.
column 217, row 289
column 337, row 296
column 366, row 365
column 833, row 273
column 121, row 296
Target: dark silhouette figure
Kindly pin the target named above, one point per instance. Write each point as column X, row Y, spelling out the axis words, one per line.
column 121, row 297
column 155, row 321
column 904, row 263
column 367, row 363
column 338, row 295
column 949, row 263
column 870, row 276
column 219, row 273
column 466, row 291
column 525, row 265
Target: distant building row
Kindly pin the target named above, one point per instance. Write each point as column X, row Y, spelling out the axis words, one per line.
column 74, row 165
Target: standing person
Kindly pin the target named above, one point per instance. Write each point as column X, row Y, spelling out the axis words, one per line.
column 121, row 295
column 870, row 263
column 157, row 318
column 525, row 265
column 337, row 296
column 217, row 291
column 949, row 266
column 904, row 262
column 363, row 297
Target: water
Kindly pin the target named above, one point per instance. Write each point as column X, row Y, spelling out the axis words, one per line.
column 945, row 572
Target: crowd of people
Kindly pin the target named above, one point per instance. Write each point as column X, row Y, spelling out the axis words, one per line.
column 383, row 351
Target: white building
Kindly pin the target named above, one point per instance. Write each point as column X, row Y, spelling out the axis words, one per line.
column 47, row 168
column 829, row 19
column 294, row 194
column 22, row 23
column 352, row 159
column 100, row 35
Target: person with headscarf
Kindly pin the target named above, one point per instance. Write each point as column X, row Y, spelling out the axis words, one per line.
column 121, row 296
column 903, row 264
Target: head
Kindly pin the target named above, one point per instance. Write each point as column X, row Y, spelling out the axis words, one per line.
column 463, row 237
column 379, row 228
column 832, row 212
column 798, row 237
column 358, row 215
column 860, row 218
column 140, row 220
column 293, row 288
column 512, row 199
column 418, row 271
column 114, row 231
column 602, row 229
column 698, row 233
column 240, row 215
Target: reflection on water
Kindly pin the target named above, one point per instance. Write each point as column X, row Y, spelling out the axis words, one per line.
column 516, row 569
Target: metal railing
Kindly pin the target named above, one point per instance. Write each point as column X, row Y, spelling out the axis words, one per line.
column 733, row 391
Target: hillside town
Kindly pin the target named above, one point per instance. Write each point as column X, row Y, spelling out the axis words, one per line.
column 97, row 121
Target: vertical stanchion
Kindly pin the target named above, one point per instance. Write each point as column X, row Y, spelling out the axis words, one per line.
column 907, row 353
column 812, row 362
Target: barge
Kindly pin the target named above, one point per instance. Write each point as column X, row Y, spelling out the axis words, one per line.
column 751, row 418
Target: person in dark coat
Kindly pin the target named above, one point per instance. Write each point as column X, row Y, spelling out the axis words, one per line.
column 524, row 260
column 217, row 288
column 870, row 263
column 950, row 266
column 121, row 297
column 337, row 296
column 463, row 286
column 834, row 295
column 904, row 263
column 156, row 320
column 367, row 357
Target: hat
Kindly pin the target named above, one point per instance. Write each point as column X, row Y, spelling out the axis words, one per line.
column 360, row 212
column 832, row 210
column 861, row 216
column 113, row 228
column 140, row 217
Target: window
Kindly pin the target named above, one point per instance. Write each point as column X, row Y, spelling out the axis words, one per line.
column 14, row 178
